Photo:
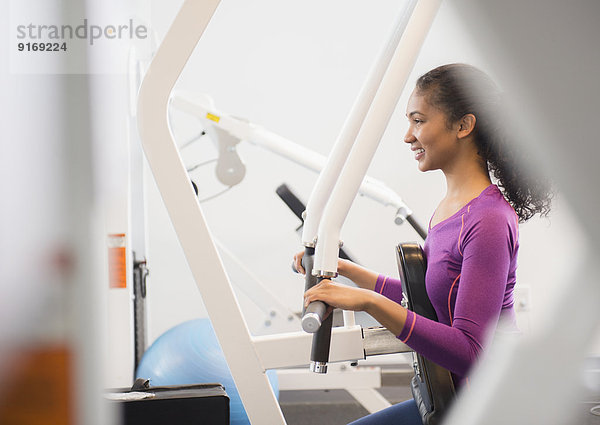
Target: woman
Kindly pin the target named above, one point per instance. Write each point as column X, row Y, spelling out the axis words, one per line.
column 472, row 244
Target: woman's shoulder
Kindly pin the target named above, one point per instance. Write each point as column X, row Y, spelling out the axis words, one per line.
column 492, row 208
column 492, row 220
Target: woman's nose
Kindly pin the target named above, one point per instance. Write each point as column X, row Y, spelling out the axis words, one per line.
column 409, row 136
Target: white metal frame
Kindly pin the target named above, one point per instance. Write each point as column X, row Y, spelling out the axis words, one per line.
column 247, row 357
column 369, row 136
column 341, row 149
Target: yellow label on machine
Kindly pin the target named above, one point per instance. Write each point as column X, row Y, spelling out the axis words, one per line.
column 212, row 117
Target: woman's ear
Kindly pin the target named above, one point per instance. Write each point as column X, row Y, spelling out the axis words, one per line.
column 466, row 125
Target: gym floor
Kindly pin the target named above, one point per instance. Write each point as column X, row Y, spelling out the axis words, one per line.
column 337, row 407
column 333, row 407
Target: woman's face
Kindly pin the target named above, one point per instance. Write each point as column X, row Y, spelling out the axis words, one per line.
column 433, row 143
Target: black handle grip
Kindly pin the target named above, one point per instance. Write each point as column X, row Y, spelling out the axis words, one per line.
column 313, row 319
column 312, row 316
column 308, row 261
column 319, row 355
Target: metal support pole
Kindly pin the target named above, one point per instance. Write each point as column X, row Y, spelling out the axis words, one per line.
column 184, row 210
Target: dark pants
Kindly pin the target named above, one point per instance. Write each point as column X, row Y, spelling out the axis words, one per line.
column 405, row 413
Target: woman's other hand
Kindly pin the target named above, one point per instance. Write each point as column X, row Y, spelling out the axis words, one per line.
column 339, row 296
column 297, row 264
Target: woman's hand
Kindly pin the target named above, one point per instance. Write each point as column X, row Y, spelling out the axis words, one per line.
column 298, row 262
column 385, row 311
column 363, row 277
column 339, row 296
column 342, row 267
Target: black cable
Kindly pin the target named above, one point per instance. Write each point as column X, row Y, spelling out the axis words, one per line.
column 208, row 198
column 192, row 140
column 202, row 164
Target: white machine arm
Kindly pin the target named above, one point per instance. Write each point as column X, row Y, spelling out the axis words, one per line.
column 347, row 344
column 341, row 149
column 326, row 254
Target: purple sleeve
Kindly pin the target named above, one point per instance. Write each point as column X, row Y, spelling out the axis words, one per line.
column 389, row 287
column 487, row 250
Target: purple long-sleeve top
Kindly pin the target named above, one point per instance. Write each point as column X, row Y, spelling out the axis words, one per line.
column 471, row 265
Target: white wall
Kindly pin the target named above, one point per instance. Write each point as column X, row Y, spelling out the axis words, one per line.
column 296, row 70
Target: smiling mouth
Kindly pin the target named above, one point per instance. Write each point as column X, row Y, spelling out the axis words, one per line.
column 419, row 153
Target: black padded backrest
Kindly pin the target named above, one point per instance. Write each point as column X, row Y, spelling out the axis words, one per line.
column 412, row 266
column 435, row 384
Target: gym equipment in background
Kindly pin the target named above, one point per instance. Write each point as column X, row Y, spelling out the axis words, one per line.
column 172, row 404
column 189, row 353
column 227, row 131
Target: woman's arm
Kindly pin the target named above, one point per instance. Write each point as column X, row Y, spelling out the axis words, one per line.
column 487, row 248
column 362, row 276
column 387, row 312
column 387, row 286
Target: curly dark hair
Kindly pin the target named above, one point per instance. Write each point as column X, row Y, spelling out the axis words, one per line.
column 460, row 89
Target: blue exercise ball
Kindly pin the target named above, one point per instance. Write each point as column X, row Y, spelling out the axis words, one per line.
column 190, row 353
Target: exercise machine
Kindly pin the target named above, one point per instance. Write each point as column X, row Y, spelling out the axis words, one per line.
column 248, row 357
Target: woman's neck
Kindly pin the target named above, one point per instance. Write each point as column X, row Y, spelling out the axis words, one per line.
column 466, row 180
